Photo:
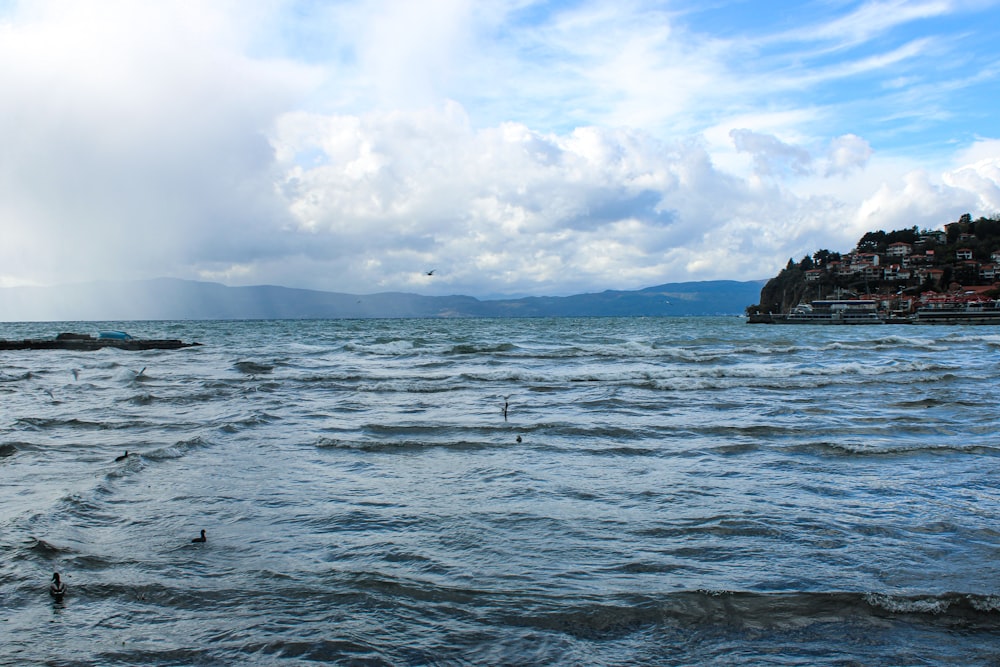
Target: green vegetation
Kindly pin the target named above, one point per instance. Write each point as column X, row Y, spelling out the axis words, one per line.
column 901, row 262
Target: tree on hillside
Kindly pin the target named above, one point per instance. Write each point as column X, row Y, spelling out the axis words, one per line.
column 871, row 242
column 986, row 229
column 911, row 236
column 823, row 257
column 878, row 242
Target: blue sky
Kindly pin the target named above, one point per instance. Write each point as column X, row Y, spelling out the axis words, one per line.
column 516, row 147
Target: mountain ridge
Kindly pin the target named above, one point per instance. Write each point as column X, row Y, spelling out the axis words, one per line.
column 178, row 299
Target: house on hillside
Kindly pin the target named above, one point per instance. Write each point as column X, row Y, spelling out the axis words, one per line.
column 814, row 275
column 899, row 249
column 924, row 274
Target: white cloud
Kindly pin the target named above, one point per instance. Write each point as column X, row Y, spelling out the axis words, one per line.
column 529, row 212
column 847, row 153
column 981, row 180
column 515, row 147
column 869, row 20
column 923, row 199
column 770, row 154
column 128, row 147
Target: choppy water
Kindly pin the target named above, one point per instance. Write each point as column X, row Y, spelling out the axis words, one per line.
column 684, row 491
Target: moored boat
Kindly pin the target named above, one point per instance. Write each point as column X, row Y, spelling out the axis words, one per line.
column 952, row 310
column 833, row 311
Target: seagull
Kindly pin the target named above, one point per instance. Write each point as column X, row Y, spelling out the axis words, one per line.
column 202, row 538
column 76, row 373
column 122, row 457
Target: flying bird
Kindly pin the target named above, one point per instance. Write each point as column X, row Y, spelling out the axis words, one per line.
column 430, row 273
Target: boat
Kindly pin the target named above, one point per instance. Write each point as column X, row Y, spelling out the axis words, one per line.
column 833, row 311
column 85, row 342
column 957, row 310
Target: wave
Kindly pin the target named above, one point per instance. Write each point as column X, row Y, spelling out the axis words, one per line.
column 469, row 348
column 5, row 377
column 404, row 446
column 976, row 336
column 46, row 549
column 253, row 367
column 599, row 619
column 889, row 342
column 144, row 398
column 722, row 526
column 701, row 352
column 177, row 450
column 249, row 421
column 410, row 386
column 45, row 423
column 892, row 448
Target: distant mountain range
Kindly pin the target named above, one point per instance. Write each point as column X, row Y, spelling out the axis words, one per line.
column 172, row 299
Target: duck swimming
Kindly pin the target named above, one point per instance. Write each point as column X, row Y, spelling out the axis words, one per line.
column 58, row 588
column 122, row 457
column 202, row 538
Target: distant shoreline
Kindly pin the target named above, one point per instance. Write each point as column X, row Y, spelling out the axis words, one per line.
column 179, row 300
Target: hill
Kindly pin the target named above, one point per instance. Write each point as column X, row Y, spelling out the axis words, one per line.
column 895, row 267
column 172, row 299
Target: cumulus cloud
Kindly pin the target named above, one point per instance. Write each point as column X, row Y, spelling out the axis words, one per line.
column 385, row 195
column 846, row 154
column 922, row 198
column 982, row 181
column 524, row 149
column 770, row 154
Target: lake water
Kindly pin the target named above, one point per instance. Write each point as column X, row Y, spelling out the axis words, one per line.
column 659, row 492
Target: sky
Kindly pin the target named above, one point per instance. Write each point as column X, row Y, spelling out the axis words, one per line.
column 505, row 147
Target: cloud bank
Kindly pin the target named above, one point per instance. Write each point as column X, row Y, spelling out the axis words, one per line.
column 518, row 149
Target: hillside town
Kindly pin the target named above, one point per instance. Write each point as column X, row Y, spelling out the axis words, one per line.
column 897, row 273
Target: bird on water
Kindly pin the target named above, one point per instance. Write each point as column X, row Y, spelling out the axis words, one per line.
column 58, row 588
column 202, row 538
column 122, row 457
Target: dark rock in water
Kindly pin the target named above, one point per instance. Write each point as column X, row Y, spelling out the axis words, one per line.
column 73, row 336
column 85, row 342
